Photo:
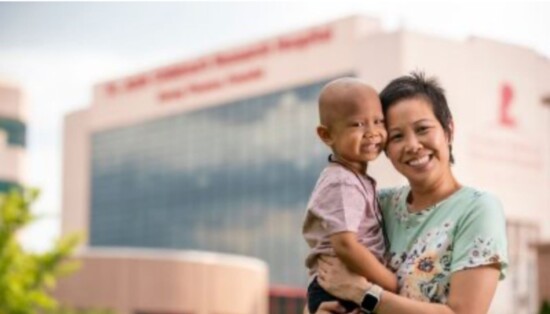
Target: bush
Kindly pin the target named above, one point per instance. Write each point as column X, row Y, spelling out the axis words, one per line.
column 26, row 279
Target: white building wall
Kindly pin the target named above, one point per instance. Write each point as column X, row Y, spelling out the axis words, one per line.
column 76, row 174
column 12, row 104
column 133, row 281
column 12, row 158
column 542, row 74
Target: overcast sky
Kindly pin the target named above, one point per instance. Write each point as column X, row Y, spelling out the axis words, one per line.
column 57, row 51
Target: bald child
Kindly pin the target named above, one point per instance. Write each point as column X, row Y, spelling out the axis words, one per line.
column 343, row 218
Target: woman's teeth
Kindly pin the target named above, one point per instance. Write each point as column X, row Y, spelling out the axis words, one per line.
column 419, row 161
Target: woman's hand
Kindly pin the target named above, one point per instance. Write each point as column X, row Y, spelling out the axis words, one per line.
column 335, row 278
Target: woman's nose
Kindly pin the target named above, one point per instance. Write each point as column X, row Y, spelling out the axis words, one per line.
column 412, row 144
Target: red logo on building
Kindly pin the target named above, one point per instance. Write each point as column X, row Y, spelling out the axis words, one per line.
column 506, row 97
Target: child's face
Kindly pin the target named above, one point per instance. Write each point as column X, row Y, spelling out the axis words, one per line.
column 358, row 134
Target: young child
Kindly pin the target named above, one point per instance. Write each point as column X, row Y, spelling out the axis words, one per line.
column 343, row 218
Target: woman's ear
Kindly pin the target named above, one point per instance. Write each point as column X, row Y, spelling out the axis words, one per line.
column 451, row 132
column 324, row 134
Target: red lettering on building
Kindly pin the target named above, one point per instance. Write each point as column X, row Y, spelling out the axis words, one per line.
column 136, row 82
column 304, row 40
column 514, row 152
column 170, row 95
column 111, row 89
column 206, row 86
column 180, row 70
column 251, row 75
column 506, row 97
column 242, row 55
column 186, row 70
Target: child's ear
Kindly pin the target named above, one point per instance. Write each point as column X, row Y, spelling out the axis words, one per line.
column 324, row 134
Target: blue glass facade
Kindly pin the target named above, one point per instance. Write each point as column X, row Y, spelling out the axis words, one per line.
column 233, row 178
column 16, row 131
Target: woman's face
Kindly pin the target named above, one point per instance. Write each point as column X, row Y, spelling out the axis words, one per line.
column 417, row 146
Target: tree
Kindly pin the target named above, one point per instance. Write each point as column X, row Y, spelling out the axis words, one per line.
column 26, row 278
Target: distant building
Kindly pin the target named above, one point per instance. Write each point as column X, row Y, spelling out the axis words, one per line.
column 13, row 127
column 219, row 153
column 144, row 281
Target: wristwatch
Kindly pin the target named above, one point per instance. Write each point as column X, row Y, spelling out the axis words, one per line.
column 371, row 299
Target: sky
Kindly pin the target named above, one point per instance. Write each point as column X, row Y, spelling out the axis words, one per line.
column 56, row 52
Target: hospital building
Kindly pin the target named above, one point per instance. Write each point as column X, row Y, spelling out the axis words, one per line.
column 13, row 129
column 190, row 180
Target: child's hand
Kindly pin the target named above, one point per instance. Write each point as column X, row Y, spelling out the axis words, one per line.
column 336, row 279
column 332, row 307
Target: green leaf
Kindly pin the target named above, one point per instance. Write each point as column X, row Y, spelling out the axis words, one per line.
column 26, row 278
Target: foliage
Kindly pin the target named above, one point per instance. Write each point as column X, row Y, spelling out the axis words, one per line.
column 545, row 308
column 26, row 278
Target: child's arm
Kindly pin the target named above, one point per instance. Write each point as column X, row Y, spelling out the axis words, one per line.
column 361, row 261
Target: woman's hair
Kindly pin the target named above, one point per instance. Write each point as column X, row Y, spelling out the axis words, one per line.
column 416, row 85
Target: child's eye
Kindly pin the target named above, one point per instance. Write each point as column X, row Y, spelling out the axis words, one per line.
column 358, row 124
column 379, row 121
column 395, row 137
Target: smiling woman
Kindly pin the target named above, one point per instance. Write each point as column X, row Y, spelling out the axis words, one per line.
column 447, row 241
column 418, row 144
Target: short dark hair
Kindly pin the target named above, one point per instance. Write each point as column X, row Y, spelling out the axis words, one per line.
column 416, row 85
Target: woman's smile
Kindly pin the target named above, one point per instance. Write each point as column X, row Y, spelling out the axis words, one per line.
column 419, row 162
column 418, row 146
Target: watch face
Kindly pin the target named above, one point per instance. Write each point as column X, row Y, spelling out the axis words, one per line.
column 369, row 302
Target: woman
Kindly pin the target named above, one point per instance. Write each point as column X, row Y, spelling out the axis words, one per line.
column 447, row 241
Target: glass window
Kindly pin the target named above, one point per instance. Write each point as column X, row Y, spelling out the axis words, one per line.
column 233, row 178
column 16, row 131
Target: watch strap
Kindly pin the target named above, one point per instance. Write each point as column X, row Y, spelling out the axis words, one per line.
column 371, row 299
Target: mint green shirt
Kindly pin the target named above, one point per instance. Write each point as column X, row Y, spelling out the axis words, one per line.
column 466, row 230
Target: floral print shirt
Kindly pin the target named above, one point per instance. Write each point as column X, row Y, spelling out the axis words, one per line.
column 466, row 230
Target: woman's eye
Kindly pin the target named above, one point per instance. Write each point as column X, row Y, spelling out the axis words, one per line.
column 422, row 129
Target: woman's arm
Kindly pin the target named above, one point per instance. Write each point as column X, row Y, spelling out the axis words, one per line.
column 471, row 290
column 361, row 261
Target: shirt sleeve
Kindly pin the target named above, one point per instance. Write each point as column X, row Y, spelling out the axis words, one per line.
column 385, row 199
column 341, row 206
column 480, row 237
